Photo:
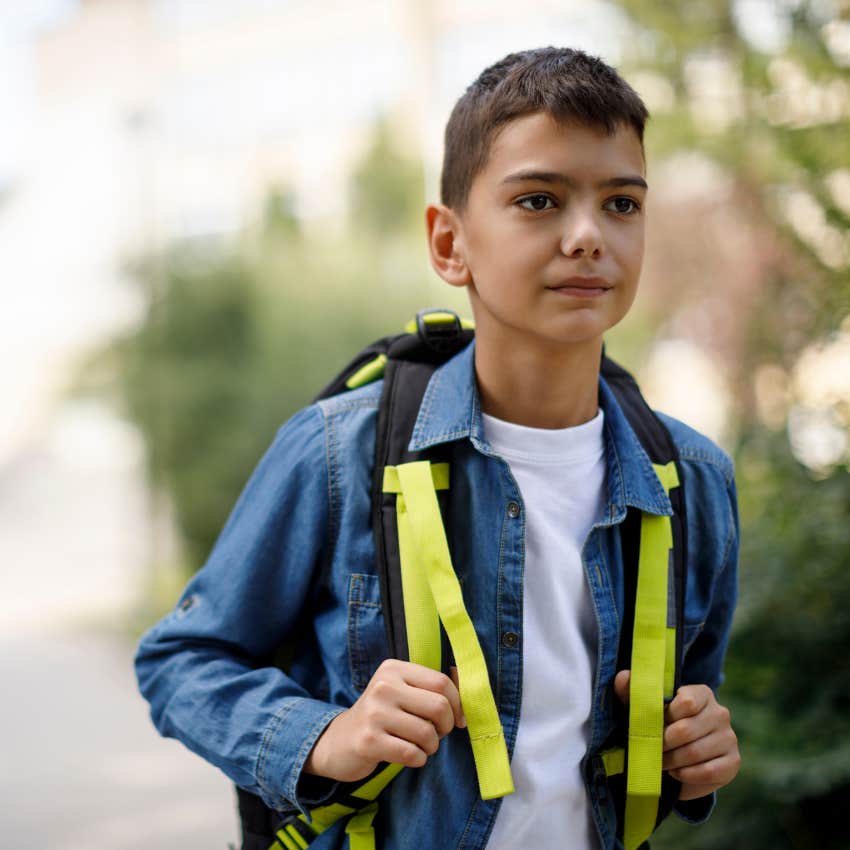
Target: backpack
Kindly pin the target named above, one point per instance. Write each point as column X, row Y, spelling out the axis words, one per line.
column 410, row 492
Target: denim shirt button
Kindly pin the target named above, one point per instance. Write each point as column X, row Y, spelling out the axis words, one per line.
column 513, row 510
column 510, row 639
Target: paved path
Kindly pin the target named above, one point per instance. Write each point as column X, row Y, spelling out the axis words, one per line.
column 81, row 766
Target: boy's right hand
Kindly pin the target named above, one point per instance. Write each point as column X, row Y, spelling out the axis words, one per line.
column 399, row 718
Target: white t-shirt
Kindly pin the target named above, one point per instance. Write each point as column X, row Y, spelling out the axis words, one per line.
column 561, row 476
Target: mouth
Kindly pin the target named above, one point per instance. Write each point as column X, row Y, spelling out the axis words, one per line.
column 581, row 287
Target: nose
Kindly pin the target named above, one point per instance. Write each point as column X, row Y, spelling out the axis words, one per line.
column 582, row 233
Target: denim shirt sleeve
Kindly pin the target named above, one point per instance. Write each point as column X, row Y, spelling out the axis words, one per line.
column 201, row 667
column 703, row 663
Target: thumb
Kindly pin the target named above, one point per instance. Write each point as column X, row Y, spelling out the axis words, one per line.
column 621, row 685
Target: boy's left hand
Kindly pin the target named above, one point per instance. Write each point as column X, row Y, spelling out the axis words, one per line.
column 700, row 746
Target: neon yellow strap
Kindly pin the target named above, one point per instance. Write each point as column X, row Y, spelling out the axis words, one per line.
column 361, row 835
column 648, row 678
column 368, row 372
column 370, row 790
column 613, row 761
column 419, row 515
column 326, row 816
column 439, row 474
column 288, row 839
column 360, row 820
column 439, row 318
column 669, row 663
column 296, row 837
column 420, row 611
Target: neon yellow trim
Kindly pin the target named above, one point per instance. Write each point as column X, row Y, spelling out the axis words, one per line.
column 326, row 816
column 285, row 841
column 641, row 813
column 670, row 664
column 370, row 790
column 669, row 478
column 361, row 835
column 296, row 837
column 439, row 473
column 420, row 611
column 367, row 373
column 646, row 702
column 614, row 761
column 421, row 513
column 667, row 475
column 465, row 323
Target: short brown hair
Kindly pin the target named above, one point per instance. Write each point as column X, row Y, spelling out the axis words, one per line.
column 568, row 84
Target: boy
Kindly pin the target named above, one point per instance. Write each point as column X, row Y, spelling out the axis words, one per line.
column 542, row 222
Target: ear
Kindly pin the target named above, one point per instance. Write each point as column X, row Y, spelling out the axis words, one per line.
column 445, row 245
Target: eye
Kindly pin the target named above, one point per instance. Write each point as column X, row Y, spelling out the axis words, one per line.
column 537, row 203
column 628, row 211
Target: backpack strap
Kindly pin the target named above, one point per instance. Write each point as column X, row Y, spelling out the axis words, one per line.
column 427, row 571
column 651, row 637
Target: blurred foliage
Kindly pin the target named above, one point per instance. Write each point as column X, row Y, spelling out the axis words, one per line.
column 237, row 337
column 388, row 189
column 787, row 672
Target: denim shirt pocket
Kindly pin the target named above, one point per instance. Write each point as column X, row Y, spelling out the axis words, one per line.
column 367, row 640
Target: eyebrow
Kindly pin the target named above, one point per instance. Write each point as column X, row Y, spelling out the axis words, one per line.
column 554, row 177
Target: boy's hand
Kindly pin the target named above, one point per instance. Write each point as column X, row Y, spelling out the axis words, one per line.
column 399, row 718
column 700, row 746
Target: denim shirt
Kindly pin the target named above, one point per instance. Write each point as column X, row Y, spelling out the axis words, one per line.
column 296, row 559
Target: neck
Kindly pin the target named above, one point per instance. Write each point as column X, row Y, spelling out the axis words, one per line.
column 545, row 387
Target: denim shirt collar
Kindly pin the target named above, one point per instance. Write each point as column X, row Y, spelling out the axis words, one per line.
column 451, row 410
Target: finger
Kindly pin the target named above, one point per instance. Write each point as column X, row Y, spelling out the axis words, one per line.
column 685, row 731
column 714, row 717
column 416, row 730
column 424, row 678
column 461, row 722
column 433, row 680
column 717, row 772
column 429, row 705
column 622, row 685
column 693, row 792
column 717, row 743
column 689, row 701
column 395, row 750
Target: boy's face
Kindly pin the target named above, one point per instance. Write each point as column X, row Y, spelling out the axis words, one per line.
column 538, row 214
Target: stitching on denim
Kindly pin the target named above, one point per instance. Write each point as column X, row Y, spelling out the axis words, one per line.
column 609, row 589
column 470, row 820
column 697, row 628
column 499, row 618
column 423, row 417
column 722, row 463
column 333, row 492
column 354, row 647
column 339, row 404
column 265, row 746
column 617, row 467
column 729, row 541
column 357, row 660
column 306, row 746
